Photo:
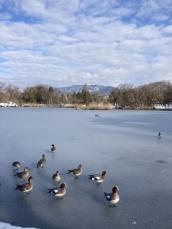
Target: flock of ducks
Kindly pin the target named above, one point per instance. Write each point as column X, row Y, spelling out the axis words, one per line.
column 58, row 192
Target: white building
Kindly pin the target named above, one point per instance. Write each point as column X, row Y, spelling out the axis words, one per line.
column 8, row 104
column 163, row 106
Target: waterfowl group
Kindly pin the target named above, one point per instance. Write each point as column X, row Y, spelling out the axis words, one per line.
column 58, row 192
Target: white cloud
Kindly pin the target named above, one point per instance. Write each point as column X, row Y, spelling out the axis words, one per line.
column 85, row 42
column 33, row 7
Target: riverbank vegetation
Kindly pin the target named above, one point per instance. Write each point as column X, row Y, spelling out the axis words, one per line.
column 142, row 97
column 123, row 96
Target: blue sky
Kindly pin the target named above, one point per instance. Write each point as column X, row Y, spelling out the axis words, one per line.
column 66, row 42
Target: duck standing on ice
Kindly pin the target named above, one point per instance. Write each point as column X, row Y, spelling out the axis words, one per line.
column 58, row 192
column 56, row 177
column 159, row 134
column 53, row 148
column 113, row 198
column 24, row 174
column 98, row 178
column 77, row 171
column 26, row 187
column 41, row 162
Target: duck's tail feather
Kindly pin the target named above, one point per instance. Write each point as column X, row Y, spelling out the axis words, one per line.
column 50, row 190
column 107, row 196
column 69, row 171
column 40, row 166
column 91, row 177
column 17, row 187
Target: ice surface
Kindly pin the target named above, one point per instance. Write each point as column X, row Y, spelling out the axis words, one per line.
column 136, row 160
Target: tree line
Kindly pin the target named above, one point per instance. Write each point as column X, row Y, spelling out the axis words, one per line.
column 144, row 96
column 123, row 96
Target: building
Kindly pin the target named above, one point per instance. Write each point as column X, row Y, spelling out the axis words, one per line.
column 163, row 106
column 8, row 104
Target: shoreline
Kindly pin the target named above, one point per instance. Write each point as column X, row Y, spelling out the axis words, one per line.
column 86, row 108
column 89, row 106
column 103, row 105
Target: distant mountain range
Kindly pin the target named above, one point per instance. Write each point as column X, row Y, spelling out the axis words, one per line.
column 104, row 90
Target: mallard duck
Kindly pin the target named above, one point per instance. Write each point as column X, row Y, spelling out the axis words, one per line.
column 53, row 148
column 76, row 172
column 24, row 174
column 113, row 198
column 26, row 187
column 56, row 177
column 16, row 164
column 41, row 162
column 59, row 191
column 98, row 178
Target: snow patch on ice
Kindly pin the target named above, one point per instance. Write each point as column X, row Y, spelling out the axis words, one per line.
column 9, row 226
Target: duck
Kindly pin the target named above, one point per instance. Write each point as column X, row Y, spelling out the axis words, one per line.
column 98, row 178
column 16, row 164
column 77, row 171
column 113, row 198
column 53, row 148
column 97, row 115
column 56, row 177
column 41, row 162
column 26, row 187
column 159, row 134
column 24, row 174
column 58, row 192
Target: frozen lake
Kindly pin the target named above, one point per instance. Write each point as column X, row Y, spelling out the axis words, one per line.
column 124, row 143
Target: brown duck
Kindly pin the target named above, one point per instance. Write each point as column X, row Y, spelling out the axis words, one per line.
column 112, row 198
column 77, row 171
column 24, row 174
column 98, row 178
column 26, row 187
column 41, row 162
column 56, row 177
column 58, row 192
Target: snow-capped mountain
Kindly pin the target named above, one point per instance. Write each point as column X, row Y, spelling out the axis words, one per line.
column 92, row 88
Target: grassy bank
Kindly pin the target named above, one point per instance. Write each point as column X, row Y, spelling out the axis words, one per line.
column 90, row 106
column 94, row 106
